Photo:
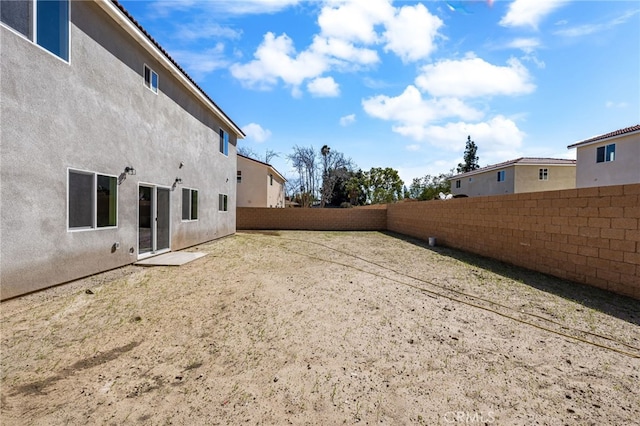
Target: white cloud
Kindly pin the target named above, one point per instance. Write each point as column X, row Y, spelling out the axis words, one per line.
column 587, row 29
column 256, row 132
column 372, row 83
column 498, row 139
column 347, row 120
column 411, row 33
column 473, row 77
column 527, row 45
column 205, row 30
column 354, row 20
column 276, row 59
column 254, row 6
column 226, row 7
column 344, row 50
column 323, row 87
column 200, row 63
column 413, row 147
column 413, row 113
column 349, row 31
column 523, row 13
column 611, row 104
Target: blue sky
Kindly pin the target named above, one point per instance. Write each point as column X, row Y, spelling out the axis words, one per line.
column 401, row 84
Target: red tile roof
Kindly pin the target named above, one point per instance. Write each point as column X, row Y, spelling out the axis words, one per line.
column 523, row 161
column 619, row 132
column 173, row 61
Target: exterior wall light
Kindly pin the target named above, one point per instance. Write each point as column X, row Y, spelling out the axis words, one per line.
column 130, row 170
column 176, row 182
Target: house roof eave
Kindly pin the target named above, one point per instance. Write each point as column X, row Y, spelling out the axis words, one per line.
column 522, row 161
column 269, row 166
column 126, row 21
column 627, row 131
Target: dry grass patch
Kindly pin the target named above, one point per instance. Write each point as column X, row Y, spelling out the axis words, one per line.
column 321, row 328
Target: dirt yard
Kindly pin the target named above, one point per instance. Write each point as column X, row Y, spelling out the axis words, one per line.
column 322, row 329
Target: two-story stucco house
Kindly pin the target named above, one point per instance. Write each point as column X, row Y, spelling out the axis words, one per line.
column 110, row 152
column 609, row 159
column 259, row 184
column 516, row 176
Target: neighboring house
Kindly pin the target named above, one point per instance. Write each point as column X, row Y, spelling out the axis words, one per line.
column 609, row 159
column 516, row 176
column 258, row 184
column 110, row 151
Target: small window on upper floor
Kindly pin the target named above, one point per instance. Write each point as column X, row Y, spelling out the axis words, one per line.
column 239, row 178
column 270, row 179
column 150, row 79
column 543, row 174
column 458, row 184
column 224, row 142
column 606, row 153
column 501, row 176
column 44, row 22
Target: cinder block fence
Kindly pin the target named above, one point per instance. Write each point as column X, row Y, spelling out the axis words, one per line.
column 589, row 235
column 312, row 219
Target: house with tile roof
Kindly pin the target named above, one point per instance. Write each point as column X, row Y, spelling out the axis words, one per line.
column 259, row 184
column 523, row 174
column 609, row 159
column 111, row 153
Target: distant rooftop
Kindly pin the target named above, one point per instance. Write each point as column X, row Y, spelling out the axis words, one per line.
column 531, row 161
column 616, row 133
column 264, row 164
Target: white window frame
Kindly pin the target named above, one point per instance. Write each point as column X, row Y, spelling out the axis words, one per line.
column 190, row 203
column 607, row 153
column 223, row 203
column 94, row 226
column 543, row 174
column 239, row 177
column 503, row 175
column 149, row 84
column 458, row 183
column 34, row 36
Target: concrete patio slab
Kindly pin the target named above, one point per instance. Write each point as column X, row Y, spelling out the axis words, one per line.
column 176, row 258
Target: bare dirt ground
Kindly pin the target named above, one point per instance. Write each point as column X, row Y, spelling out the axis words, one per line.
column 321, row 328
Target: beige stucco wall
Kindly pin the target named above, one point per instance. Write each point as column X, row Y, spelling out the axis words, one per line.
column 624, row 169
column 255, row 189
column 485, row 183
column 559, row 177
column 275, row 191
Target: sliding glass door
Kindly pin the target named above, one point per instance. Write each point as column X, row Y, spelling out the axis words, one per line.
column 154, row 233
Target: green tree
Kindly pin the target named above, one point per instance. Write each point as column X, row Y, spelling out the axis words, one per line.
column 355, row 187
column 383, row 185
column 335, row 167
column 470, row 157
column 429, row 187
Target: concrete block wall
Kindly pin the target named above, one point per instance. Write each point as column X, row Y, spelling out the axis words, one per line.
column 587, row 235
column 248, row 218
